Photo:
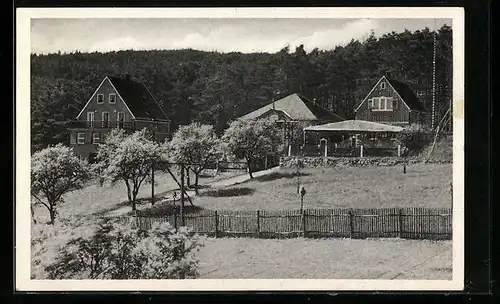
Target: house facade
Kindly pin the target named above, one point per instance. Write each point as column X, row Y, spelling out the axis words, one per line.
column 292, row 114
column 116, row 103
column 391, row 102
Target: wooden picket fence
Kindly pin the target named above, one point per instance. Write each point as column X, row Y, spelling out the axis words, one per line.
column 408, row 223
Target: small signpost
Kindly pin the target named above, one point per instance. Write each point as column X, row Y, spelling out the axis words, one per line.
column 302, row 194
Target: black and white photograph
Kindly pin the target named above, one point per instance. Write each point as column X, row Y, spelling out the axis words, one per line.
column 239, row 149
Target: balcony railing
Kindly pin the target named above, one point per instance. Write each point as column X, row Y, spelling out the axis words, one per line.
column 102, row 124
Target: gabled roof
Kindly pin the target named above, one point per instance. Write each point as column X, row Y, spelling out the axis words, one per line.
column 298, row 108
column 407, row 95
column 355, row 126
column 405, row 92
column 138, row 98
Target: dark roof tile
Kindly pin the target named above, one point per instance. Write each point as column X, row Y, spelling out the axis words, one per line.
column 407, row 94
column 138, row 98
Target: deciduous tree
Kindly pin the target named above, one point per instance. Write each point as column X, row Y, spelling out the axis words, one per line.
column 56, row 171
column 252, row 139
column 128, row 158
column 196, row 146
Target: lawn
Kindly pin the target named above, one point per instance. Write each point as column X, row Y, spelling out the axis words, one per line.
column 97, row 200
column 423, row 185
column 240, row 258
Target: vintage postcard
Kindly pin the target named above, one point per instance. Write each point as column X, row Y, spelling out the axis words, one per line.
column 239, row 149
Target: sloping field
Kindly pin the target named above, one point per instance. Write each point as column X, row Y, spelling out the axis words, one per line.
column 423, row 185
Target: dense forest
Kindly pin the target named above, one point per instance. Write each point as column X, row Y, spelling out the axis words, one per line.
column 215, row 88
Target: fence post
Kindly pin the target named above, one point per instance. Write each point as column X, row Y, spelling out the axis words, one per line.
column 351, row 224
column 258, row 223
column 399, row 150
column 216, row 224
column 304, row 230
column 400, row 218
column 361, row 150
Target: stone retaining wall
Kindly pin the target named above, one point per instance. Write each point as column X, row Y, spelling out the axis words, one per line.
column 319, row 162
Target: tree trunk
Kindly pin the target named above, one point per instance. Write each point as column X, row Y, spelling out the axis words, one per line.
column 52, row 213
column 249, row 166
column 129, row 193
column 196, row 180
column 188, row 178
column 134, row 197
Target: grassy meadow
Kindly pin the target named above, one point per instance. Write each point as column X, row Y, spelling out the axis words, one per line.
column 423, row 185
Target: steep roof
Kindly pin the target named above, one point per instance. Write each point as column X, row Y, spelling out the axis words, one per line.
column 298, row 108
column 138, row 98
column 404, row 90
column 355, row 126
column 407, row 94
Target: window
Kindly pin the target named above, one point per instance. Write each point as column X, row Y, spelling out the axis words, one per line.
column 382, row 104
column 96, row 136
column 388, row 104
column 120, row 119
column 90, row 119
column 382, row 85
column 100, row 98
column 376, row 103
column 80, row 139
column 105, row 119
column 112, row 98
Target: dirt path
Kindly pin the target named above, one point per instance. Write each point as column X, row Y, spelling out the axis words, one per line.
column 216, row 184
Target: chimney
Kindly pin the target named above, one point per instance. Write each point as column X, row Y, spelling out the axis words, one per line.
column 127, row 76
column 314, row 100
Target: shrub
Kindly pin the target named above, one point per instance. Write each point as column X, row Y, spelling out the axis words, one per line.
column 115, row 251
column 47, row 240
column 414, row 138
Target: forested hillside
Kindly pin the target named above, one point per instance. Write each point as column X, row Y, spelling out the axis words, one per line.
column 215, row 88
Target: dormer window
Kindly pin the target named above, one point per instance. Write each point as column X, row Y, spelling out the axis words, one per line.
column 382, row 85
column 112, row 98
column 100, row 98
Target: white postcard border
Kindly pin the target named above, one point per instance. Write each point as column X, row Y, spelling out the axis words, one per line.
column 23, row 230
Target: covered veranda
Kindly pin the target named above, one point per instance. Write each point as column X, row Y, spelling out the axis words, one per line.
column 356, row 138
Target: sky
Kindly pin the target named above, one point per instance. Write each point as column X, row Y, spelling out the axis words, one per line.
column 223, row 35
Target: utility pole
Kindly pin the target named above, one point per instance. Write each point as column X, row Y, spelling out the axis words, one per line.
column 152, row 183
column 153, row 169
column 182, row 196
column 433, row 111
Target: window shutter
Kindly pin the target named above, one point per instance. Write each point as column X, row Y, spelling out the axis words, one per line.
column 394, row 103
